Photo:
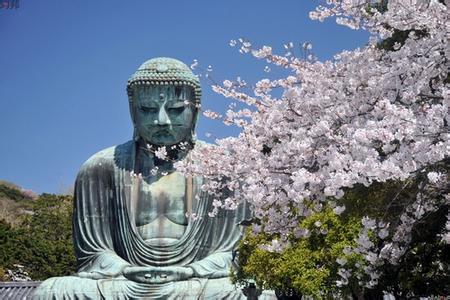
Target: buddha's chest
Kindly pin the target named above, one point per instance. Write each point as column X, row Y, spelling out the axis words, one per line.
column 160, row 209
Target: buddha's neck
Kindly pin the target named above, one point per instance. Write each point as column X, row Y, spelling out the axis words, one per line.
column 146, row 160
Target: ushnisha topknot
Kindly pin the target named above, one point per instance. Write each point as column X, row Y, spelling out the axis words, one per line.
column 164, row 71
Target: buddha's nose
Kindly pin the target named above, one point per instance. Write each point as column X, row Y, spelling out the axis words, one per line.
column 163, row 118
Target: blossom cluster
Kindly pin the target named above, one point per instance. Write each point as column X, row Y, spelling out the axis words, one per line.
column 368, row 115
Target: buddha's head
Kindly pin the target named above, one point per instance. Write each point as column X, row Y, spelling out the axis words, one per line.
column 164, row 100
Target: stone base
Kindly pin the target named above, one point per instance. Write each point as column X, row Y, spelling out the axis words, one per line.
column 76, row 288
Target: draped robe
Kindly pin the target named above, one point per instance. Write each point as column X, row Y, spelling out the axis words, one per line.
column 106, row 239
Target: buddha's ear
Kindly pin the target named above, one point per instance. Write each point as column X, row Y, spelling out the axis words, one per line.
column 131, row 102
column 195, row 104
column 193, row 136
column 195, row 118
column 132, row 105
column 133, row 112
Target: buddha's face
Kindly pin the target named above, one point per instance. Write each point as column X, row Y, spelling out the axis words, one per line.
column 164, row 114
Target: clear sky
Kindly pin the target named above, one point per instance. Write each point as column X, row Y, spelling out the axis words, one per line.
column 64, row 66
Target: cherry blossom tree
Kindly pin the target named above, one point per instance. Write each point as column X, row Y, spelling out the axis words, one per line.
column 371, row 115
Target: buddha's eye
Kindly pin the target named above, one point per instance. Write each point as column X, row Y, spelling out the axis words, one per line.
column 148, row 109
column 175, row 110
column 176, row 107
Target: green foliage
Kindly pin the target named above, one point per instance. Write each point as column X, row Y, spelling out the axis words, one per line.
column 12, row 192
column 308, row 266
column 2, row 274
column 385, row 200
column 11, row 244
column 43, row 243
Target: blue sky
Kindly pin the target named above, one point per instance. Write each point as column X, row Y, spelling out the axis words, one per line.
column 64, row 66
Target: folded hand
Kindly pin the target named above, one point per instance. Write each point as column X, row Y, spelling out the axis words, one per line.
column 157, row 274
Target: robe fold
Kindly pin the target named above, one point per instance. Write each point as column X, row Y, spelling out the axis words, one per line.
column 106, row 239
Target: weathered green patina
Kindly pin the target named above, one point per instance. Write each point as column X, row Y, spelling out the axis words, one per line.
column 132, row 232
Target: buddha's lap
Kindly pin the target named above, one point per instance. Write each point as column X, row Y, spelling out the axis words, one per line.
column 72, row 287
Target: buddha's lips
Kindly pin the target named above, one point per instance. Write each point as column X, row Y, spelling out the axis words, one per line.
column 163, row 132
column 167, row 130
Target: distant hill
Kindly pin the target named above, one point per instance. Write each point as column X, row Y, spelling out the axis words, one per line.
column 35, row 234
column 14, row 202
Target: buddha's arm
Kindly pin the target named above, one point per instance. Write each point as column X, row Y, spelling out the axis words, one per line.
column 93, row 242
column 223, row 235
column 213, row 266
column 104, row 265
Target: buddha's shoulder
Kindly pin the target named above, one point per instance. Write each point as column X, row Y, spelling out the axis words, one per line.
column 109, row 157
